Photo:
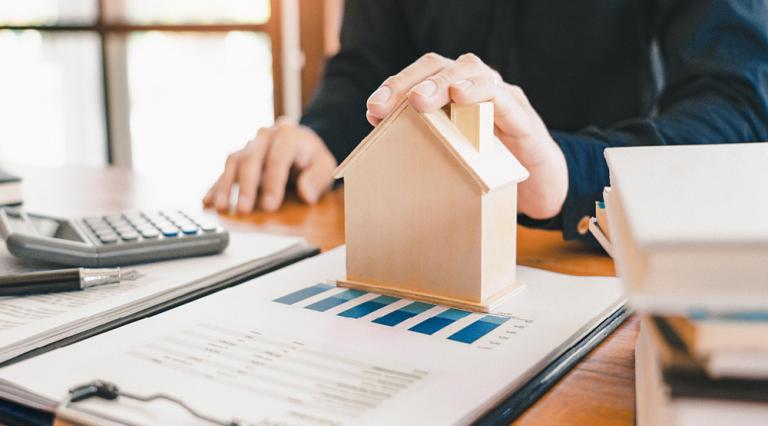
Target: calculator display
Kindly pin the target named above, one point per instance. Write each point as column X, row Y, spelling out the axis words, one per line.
column 48, row 227
column 55, row 229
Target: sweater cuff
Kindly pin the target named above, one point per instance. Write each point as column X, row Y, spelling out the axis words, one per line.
column 587, row 176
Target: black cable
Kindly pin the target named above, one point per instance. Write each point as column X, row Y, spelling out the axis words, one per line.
column 110, row 391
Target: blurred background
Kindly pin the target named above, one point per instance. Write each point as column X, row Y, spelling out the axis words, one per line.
column 160, row 86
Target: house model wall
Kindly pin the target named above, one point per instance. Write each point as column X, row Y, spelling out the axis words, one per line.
column 431, row 209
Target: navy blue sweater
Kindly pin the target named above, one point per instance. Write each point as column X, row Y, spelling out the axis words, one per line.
column 601, row 73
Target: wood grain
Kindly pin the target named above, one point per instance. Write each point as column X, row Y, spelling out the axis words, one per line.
column 599, row 391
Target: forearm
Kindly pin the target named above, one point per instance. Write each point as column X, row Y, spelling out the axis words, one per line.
column 374, row 45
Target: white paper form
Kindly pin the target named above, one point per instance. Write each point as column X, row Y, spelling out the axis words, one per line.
column 288, row 348
column 31, row 321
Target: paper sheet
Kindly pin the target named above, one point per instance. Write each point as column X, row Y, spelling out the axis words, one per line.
column 289, row 348
column 24, row 319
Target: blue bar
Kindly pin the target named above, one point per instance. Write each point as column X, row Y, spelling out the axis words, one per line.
column 366, row 308
column 478, row 329
column 298, row 296
column 406, row 312
column 439, row 321
column 335, row 300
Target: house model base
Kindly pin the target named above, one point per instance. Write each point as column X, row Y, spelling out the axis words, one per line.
column 485, row 306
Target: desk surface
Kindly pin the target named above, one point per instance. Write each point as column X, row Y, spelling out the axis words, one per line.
column 599, row 391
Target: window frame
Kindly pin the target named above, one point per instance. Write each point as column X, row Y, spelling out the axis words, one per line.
column 287, row 63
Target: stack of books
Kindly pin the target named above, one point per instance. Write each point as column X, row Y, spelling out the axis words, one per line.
column 689, row 234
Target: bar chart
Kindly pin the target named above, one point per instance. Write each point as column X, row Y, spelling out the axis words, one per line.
column 419, row 317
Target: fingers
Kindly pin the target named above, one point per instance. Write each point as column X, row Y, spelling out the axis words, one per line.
column 249, row 171
column 386, row 97
column 280, row 157
column 315, row 179
column 433, row 93
column 221, row 190
column 512, row 113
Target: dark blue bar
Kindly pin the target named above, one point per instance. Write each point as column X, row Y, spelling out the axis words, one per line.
column 366, row 308
column 406, row 312
column 478, row 329
column 439, row 322
column 298, row 296
column 335, row 300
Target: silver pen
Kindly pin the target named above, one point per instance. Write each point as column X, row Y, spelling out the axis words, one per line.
column 62, row 280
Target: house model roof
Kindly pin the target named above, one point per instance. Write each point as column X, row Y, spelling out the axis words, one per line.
column 491, row 168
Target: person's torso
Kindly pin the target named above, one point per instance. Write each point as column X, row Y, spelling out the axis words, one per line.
column 584, row 62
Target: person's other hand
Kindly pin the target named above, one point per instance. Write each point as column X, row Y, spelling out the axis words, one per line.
column 434, row 81
column 262, row 168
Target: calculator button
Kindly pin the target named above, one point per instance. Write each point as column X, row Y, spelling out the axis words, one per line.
column 114, row 218
column 123, row 229
column 101, row 228
column 185, row 224
column 169, row 232
column 133, row 217
column 149, row 233
column 207, row 226
column 189, row 229
column 129, row 236
column 108, row 238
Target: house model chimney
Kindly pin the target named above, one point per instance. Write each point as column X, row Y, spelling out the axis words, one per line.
column 475, row 122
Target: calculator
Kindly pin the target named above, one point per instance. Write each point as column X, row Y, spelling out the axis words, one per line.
column 113, row 239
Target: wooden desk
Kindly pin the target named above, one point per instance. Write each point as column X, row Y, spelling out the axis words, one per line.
column 599, row 391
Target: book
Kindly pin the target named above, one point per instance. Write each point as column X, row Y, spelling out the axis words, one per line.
column 723, row 355
column 666, row 399
column 10, row 189
column 707, row 336
column 684, row 220
column 34, row 324
column 291, row 348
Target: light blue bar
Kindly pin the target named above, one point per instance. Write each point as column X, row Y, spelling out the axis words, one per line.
column 306, row 293
column 335, row 300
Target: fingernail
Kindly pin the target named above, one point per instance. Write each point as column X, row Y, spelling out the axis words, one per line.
column 462, row 84
column 380, row 96
column 310, row 195
column 426, row 88
column 221, row 201
column 244, row 205
column 269, row 203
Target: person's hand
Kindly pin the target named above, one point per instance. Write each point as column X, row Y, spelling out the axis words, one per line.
column 434, row 81
column 261, row 169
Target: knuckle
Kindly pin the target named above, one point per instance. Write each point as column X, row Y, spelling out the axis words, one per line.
column 232, row 159
column 470, row 58
column 433, row 58
column 394, row 82
column 517, row 92
column 262, row 133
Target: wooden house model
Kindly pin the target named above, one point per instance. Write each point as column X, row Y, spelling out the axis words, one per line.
column 431, row 208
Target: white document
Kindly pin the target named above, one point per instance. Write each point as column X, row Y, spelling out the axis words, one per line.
column 289, row 348
column 30, row 322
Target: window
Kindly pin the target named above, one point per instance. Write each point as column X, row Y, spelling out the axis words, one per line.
column 144, row 83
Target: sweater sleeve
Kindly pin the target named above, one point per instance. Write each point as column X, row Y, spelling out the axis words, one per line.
column 715, row 57
column 375, row 44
